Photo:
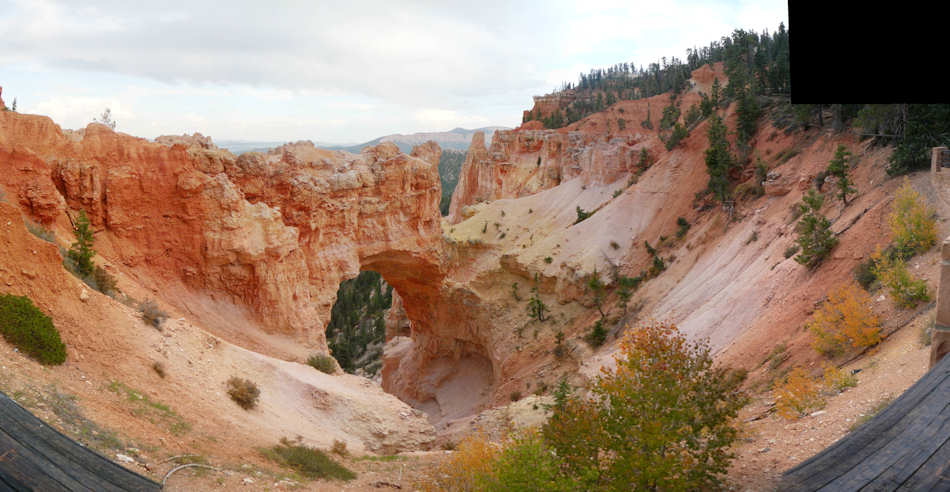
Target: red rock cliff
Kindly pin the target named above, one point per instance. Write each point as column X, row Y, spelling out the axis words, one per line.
column 272, row 234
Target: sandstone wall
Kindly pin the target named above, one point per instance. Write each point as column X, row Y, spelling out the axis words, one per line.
column 274, row 234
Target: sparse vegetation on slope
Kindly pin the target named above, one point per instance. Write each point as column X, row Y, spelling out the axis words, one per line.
column 244, row 392
column 307, row 461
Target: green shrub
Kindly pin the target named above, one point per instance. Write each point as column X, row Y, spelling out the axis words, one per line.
column 548, row 259
column 323, row 363
column 864, row 274
column 244, row 392
column 906, row 289
column 525, row 464
column 662, row 419
column 791, row 250
column 683, row 227
column 582, row 215
column 307, row 461
column 814, row 232
column 679, row 133
column 26, row 327
column 598, row 335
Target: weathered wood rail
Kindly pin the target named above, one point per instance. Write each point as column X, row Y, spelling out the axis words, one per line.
column 905, row 447
column 35, row 456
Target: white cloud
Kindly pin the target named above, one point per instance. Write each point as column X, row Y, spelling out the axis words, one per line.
column 354, row 70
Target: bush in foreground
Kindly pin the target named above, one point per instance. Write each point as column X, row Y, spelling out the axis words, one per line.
column 244, row 392
column 465, row 469
column 307, row 461
column 664, row 418
column 26, row 327
column 526, row 463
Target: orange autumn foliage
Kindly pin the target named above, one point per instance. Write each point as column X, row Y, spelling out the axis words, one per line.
column 844, row 321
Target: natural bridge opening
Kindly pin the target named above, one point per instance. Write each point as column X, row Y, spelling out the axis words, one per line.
column 357, row 329
column 397, row 323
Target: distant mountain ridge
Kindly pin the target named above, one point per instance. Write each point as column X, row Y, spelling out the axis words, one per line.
column 454, row 139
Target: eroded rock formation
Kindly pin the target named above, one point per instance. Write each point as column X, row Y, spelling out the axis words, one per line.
column 273, row 234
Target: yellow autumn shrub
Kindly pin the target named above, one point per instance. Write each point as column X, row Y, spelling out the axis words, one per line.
column 465, row 468
column 913, row 223
column 798, row 395
column 845, row 320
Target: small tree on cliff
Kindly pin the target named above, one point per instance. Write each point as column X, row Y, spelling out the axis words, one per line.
column 597, row 288
column 536, row 307
column 814, row 232
column 719, row 160
column 106, row 119
column 838, row 167
column 81, row 251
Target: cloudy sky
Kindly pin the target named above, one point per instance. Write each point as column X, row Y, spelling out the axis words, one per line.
column 342, row 72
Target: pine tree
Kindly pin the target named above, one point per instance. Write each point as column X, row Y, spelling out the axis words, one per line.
column 719, row 160
column 748, row 113
column 716, row 97
column 838, row 167
column 814, row 232
column 81, row 252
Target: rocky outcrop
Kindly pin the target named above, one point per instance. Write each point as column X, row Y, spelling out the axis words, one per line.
column 195, row 140
column 274, row 234
column 524, row 162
